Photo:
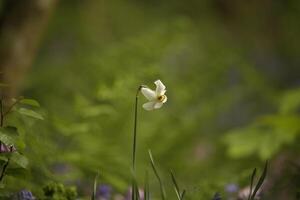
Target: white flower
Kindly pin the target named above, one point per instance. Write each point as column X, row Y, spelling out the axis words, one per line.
column 156, row 98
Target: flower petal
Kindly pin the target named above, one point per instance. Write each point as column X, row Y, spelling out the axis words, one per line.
column 148, row 93
column 165, row 99
column 160, row 88
column 158, row 105
column 149, row 105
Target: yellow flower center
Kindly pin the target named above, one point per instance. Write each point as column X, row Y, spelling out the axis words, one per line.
column 161, row 98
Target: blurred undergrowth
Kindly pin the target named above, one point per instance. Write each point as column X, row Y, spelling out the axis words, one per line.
column 233, row 92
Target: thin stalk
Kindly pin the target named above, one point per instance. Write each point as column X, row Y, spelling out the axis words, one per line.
column 146, row 187
column 12, row 106
column 4, row 169
column 135, row 131
column 135, row 190
column 133, row 195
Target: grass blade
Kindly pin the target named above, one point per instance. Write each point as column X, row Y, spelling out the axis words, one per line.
column 95, row 187
column 135, row 189
column 260, row 181
column 251, row 184
column 176, row 188
column 182, row 195
column 137, row 192
column 162, row 189
column 146, row 187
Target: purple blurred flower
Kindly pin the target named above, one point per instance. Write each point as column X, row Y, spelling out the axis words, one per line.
column 104, row 192
column 25, row 195
column 231, row 188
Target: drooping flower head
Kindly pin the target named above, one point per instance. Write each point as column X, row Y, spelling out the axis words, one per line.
column 156, row 98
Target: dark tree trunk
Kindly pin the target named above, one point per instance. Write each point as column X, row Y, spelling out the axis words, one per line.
column 21, row 25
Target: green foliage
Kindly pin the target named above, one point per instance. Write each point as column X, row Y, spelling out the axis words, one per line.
column 30, row 113
column 9, row 135
column 57, row 191
column 19, row 159
column 269, row 133
column 13, row 159
column 252, row 194
column 290, row 102
column 229, row 81
column 30, row 102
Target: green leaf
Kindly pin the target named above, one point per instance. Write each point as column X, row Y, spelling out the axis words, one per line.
column 260, row 181
column 30, row 102
column 19, row 159
column 265, row 136
column 9, row 135
column 162, row 189
column 252, row 181
column 10, row 130
column 30, row 113
column 3, row 157
column 6, row 139
column 176, row 187
column 17, row 172
column 290, row 101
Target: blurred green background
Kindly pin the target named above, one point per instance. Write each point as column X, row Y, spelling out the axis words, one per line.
column 232, row 74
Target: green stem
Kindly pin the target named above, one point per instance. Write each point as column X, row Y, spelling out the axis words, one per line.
column 134, row 135
column 95, row 187
column 146, row 187
column 134, row 140
column 4, row 170
column 11, row 106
